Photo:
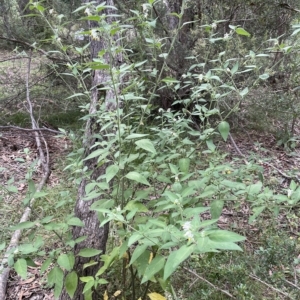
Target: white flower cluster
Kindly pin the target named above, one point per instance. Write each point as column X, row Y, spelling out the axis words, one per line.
column 187, row 226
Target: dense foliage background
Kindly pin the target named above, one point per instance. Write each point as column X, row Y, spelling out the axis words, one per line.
column 178, row 127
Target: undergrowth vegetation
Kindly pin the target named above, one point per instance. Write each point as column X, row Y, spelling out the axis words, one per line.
column 187, row 219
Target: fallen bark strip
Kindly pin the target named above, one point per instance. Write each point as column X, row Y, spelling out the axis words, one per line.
column 4, row 268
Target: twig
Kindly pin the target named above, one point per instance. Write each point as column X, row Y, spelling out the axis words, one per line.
column 27, row 129
column 292, row 284
column 281, row 172
column 13, row 58
column 269, row 286
column 32, row 47
column 209, row 283
column 4, row 269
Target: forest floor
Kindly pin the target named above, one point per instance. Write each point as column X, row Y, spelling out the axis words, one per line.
column 15, row 163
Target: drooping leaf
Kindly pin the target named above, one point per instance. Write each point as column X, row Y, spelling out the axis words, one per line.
column 225, row 236
column 66, row 261
column 184, row 164
column 132, row 205
column 75, row 222
column 216, row 208
column 210, row 145
column 146, row 144
column 89, row 252
column 242, row 31
column 154, row 267
column 71, row 283
column 176, row 258
column 111, row 172
column 256, row 212
column 138, row 251
column 224, row 128
column 135, row 136
column 137, row 177
column 22, row 225
column 20, row 267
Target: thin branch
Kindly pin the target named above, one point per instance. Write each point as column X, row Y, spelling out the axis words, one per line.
column 32, row 47
column 28, row 130
column 209, row 283
column 281, row 172
column 4, row 269
column 13, row 58
column 292, row 284
column 269, row 286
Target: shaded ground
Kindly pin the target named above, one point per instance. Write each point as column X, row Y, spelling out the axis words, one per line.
column 18, row 154
column 15, row 163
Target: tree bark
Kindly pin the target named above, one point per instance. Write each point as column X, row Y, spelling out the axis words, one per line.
column 96, row 235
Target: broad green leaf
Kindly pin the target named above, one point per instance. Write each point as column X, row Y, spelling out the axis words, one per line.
column 224, row 246
column 111, row 172
column 210, row 145
column 184, row 165
column 264, row 76
column 135, row 136
column 39, row 194
column 256, row 212
column 66, row 261
column 216, row 208
column 22, row 225
column 209, row 191
column 163, row 178
column 27, row 248
column 173, row 169
column 254, row 188
column 86, row 278
column 56, row 278
column 146, row 144
column 137, row 177
column 242, row 31
column 233, row 184
column 234, row 69
column 2, row 246
column 11, row 188
column 138, row 251
column 75, row 222
column 176, row 258
column 154, row 267
column 71, row 283
column 89, row 252
column 244, row 92
column 88, row 286
column 225, row 236
column 108, row 259
column 224, row 128
column 89, row 264
column 193, row 211
column 45, row 265
column 20, row 267
column 134, row 237
column 170, row 80
column 131, row 205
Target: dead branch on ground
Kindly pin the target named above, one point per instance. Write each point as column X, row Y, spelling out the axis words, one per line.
column 4, row 268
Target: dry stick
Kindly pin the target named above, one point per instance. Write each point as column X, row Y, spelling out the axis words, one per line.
column 4, row 269
column 35, row 129
column 269, row 286
column 292, row 284
column 209, row 283
column 281, row 172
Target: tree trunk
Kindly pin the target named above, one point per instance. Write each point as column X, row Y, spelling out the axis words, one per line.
column 96, row 235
